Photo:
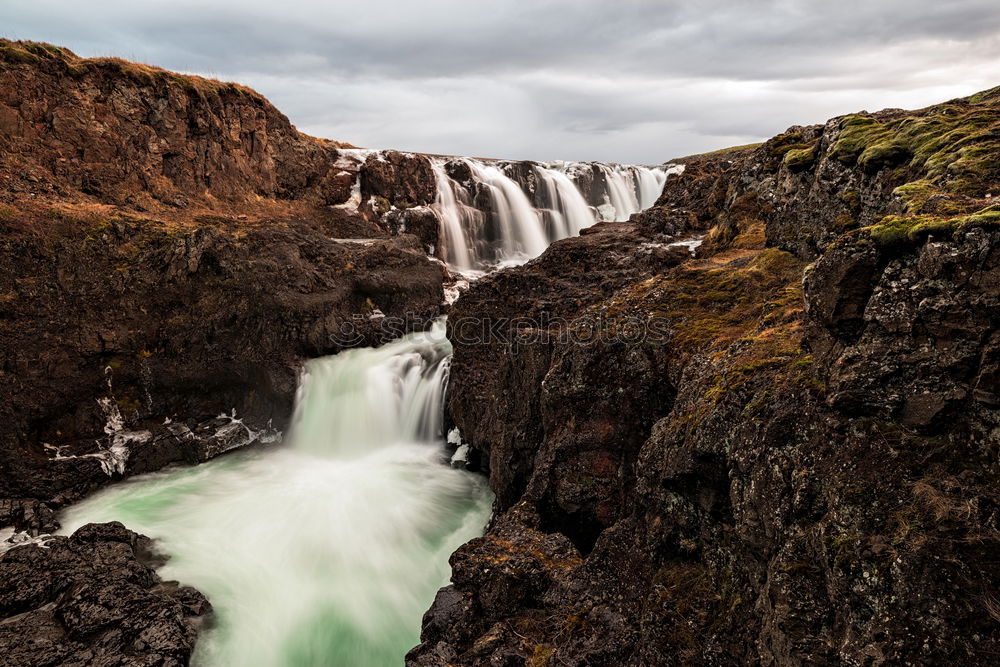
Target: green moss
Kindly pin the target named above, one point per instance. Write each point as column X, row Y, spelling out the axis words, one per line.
column 914, row 195
column 887, row 154
column 953, row 145
column 15, row 55
column 856, row 134
column 993, row 94
column 780, row 146
column 900, row 232
column 800, row 159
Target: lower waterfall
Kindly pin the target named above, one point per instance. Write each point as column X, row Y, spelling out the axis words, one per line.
column 328, row 549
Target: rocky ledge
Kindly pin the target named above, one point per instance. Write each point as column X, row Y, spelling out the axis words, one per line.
column 797, row 464
column 95, row 599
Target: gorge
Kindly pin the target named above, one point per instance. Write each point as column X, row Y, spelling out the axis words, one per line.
column 735, row 408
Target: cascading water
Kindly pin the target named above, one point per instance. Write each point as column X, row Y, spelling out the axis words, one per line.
column 567, row 208
column 499, row 213
column 325, row 551
column 520, row 227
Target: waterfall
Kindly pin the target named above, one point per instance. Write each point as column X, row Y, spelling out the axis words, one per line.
column 521, row 233
column 507, row 212
column 328, row 549
column 567, row 207
column 360, row 400
column 456, row 217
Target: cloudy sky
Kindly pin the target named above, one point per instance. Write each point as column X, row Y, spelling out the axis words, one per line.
column 619, row 80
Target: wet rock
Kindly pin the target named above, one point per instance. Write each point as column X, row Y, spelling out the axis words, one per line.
column 225, row 331
column 421, row 221
column 403, row 180
column 93, row 598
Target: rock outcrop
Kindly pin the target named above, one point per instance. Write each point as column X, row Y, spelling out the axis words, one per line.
column 137, row 135
column 95, row 599
column 796, row 464
column 171, row 251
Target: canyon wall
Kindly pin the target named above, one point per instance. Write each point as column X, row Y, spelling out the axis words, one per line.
column 795, row 463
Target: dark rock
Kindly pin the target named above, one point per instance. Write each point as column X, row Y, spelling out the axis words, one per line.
column 187, row 327
column 907, row 336
column 403, row 180
column 801, row 470
column 168, row 250
column 421, row 221
column 93, row 599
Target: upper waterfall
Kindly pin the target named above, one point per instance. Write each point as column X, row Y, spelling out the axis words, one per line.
column 495, row 212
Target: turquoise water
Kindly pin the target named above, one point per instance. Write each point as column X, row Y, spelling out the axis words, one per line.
column 328, row 549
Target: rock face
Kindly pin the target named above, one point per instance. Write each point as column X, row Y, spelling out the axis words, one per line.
column 128, row 133
column 94, row 599
column 796, row 465
column 169, row 253
column 115, row 323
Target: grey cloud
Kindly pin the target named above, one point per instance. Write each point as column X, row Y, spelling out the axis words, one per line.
column 630, row 80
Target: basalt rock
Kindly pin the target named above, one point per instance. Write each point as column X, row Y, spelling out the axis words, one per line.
column 531, row 313
column 419, row 221
column 909, row 336
column 94, row 599
column 800, row 469
column 398, row 179
column 114, row 324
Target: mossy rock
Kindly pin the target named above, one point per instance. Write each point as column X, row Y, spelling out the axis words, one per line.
column 779, row 147
column 953, row 145
column 898, row 232
column 856, row 134
column 800, row 159
column 17, row 56
column 886, row 155
column 915, row 194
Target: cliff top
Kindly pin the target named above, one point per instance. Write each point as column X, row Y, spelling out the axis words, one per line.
column 107, row 134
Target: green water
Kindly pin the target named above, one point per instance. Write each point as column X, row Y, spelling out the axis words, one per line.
column 327, row 550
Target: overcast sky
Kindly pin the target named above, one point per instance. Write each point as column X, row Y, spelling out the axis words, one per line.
column 618, row 80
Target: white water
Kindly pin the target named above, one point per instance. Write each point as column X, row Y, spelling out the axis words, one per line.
column 328, row 550
column 456, row 217
column 568, row 210
column 522, row 219
column 520, row 224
